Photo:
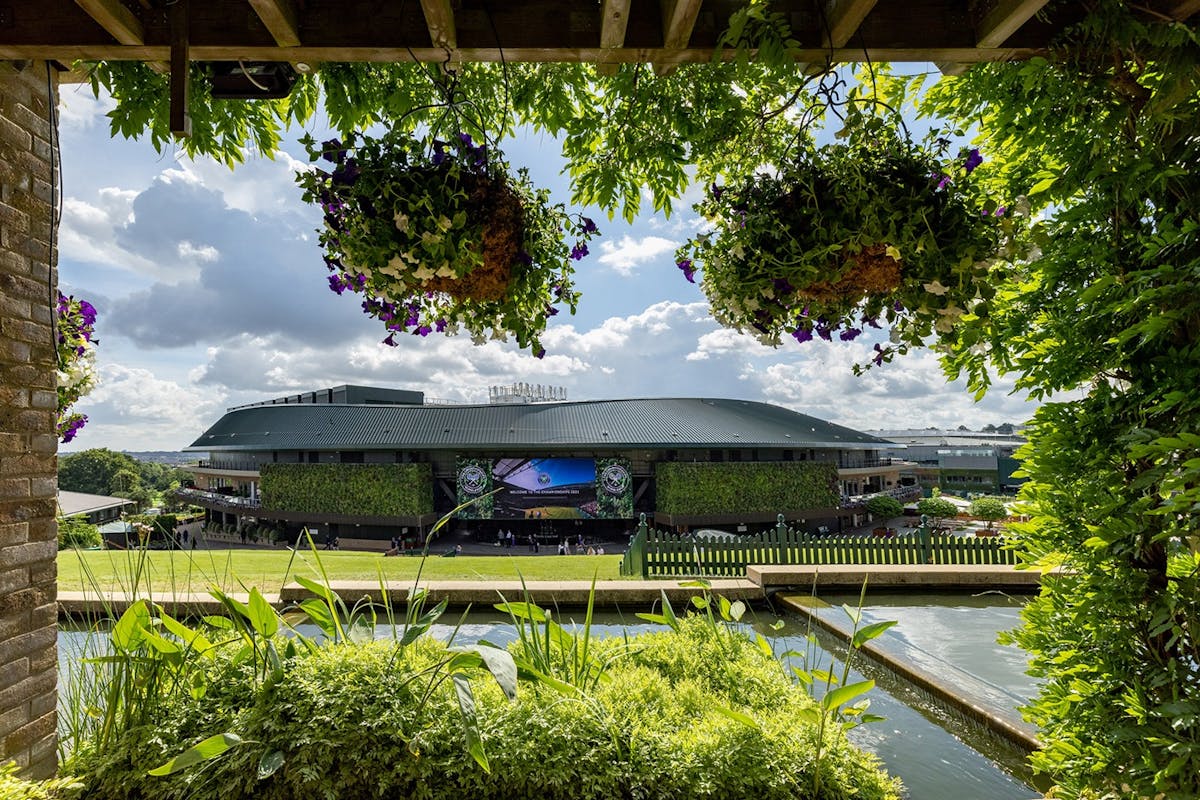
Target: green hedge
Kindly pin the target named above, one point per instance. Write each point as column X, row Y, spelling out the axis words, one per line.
column 745, row 488
column 385, row 490
column 353, row 723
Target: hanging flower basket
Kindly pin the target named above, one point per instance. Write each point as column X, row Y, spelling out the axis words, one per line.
column 872, row 229
column 439, row 236
column 74, row 323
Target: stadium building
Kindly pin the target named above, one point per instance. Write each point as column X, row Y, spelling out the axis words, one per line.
column 367, row 464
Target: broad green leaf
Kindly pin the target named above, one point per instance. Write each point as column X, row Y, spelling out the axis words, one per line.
column 869, row 632
column 210, row 748
column 470, row 720
column 843, row 694
column 502, row 666
column 131, row 627
column 263, row 618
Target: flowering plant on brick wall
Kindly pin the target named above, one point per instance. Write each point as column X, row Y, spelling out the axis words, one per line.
column 440, row 236
column 76, row 361
column 869, row 231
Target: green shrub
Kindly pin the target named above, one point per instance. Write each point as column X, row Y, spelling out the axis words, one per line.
column 884, row 508
column 15, row 788
column 77, row 532
column 714, row 488
column 386, row 490
column 352, row 723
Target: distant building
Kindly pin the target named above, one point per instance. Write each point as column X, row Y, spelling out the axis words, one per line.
column 958, row 461
column 366, row 463
column 96, row 508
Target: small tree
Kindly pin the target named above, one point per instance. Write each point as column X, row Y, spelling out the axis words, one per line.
column 884, row 508
column 937, row 509
column 989, row 508
column 77, row 532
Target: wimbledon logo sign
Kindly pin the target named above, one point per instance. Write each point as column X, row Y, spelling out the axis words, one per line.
column 615, row 479
column 472, row 480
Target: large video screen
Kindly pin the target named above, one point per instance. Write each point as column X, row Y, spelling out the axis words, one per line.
column 545, row 488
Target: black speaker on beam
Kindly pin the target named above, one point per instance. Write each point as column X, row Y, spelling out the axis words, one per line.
column 251, row 80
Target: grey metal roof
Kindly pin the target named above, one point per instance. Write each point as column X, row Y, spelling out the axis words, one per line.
column 72, row 503
column 668, row 423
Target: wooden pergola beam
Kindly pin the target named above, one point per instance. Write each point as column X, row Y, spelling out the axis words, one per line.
column 439, row 18
column 614, row 19
column 679, row 19
column 280, row 18
column 622, row 55
column 1003, row 19
column 119, row 21
column 843, row 18
column 1182, row 9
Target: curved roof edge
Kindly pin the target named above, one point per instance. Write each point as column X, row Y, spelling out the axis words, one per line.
column 652, row 423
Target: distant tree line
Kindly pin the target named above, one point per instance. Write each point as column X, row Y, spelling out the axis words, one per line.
column 103, row 471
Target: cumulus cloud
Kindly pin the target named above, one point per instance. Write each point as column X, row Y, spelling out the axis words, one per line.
column 134, row 409
column 628, row 253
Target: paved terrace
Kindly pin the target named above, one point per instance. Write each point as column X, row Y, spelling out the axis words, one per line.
column 759, row 581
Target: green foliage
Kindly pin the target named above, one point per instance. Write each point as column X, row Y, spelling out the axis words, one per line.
column 13, row 787
column 105, row 472
column 388, row 490
column 884, row 508
column 989, row 508
column 350, row 722
column 744, row 487
column 937, row 509
column 1101, row 140
column 77, row 532
column 443, row 236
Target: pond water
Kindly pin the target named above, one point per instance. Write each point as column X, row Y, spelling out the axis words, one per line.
column 917, row 742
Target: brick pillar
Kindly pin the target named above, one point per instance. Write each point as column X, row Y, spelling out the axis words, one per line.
column 28, row 402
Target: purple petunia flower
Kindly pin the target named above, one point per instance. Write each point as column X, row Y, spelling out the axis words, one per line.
column 589, row 226
column 898, row 306
column 973, row 160
column 1000, row 211
column 551, row 311
column 332, row 151
column 716, row 191
column 579, row 251
column 524, row 257
column 850, row 334
column 689, row 271
column 802, row 335
column 440, row 325
column 390, row 341
column 413, row 319
column 465, row 138
column 346, row 173
column 782, row 286
column 424, row 330
column 336, row 284
column 541, row 353
column 879, row 354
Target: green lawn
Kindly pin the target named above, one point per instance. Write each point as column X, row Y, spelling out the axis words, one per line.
column 179, row 571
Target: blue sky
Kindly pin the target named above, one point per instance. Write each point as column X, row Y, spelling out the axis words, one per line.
column 212, row 292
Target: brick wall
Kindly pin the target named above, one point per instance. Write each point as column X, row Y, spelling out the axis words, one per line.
column 28, row 401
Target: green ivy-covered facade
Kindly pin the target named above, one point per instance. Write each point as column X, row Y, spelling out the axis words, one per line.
column 686, row 489
column 376, row 490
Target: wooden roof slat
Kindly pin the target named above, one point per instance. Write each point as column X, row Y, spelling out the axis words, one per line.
column 843, row 18
column 596, row 55
column 1003, row 19
column 679, row 19
column 1182, row 9
column 281, row 19
column 439, row 17
column 115, row 18
column 614, row 19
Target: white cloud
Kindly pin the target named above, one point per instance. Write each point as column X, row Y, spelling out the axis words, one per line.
column 629, row 252
column 203, row 253
column 79, row 109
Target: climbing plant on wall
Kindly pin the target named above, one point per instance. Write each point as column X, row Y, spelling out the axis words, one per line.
column 745, row 488
column 386, row 490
